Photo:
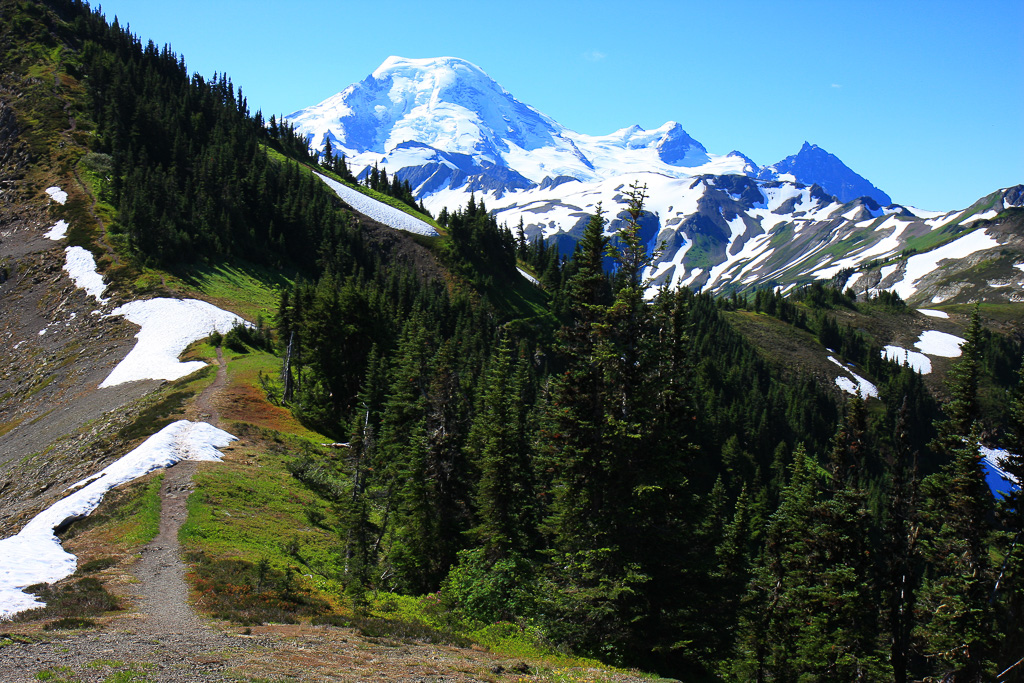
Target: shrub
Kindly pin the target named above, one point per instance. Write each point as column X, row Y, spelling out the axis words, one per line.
column 491, row 591
column 96, row 565
column 250, row 593
column 69, row 623
column 85, row 597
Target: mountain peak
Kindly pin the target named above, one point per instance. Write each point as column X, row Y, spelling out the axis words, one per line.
column 812, row 164
column 441, row 69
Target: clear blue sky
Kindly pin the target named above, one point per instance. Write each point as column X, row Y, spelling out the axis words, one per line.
column 924, row 99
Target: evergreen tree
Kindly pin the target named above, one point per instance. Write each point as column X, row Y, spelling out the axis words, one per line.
column 954, row 615
column 1009, row 588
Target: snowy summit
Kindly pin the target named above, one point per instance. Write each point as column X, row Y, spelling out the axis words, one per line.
column 446, row 117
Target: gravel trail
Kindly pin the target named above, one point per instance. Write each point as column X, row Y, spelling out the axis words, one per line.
column 163, row 634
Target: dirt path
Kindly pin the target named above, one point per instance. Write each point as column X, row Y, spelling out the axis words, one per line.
column 204, row 408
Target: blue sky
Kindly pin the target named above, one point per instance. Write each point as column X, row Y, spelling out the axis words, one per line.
column 924, row 99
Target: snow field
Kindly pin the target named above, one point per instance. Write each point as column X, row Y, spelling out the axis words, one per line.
column 931, row 313
column 81, row 267
column 857, row 386
column 998, row 479
column 35, row 555
column 56, row 194
column 922, row 264
column 168, row 326
column 378, row 211
column 936, row 343
column 528, row 276
column 58, row 231
column 917, row 361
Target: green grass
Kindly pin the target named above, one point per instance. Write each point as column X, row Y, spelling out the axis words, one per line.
column 167, row 405
column 57, row 674
column 145, row 520
column 128, row 517
column 249, row 290
column 113, row 671
column 258, row 511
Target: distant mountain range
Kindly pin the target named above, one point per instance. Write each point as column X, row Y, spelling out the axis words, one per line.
column 723, row 222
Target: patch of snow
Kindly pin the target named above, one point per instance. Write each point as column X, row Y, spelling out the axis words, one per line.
column 528, row 276
column 378, row 211
column 866, row 388
column 58, row 231
column 998, row 479
column 917, row 361
column 857, row 386
column 941, row 219
column 932, row 313
column 994, row 457
column 936, row 343
column 35, row 555
column 991, row 213
column 922, row 264
column 168, row 326
column 847, row 385
column 81, row 266
column 56, row 194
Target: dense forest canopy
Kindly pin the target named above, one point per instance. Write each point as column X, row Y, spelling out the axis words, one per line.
column 629, row 476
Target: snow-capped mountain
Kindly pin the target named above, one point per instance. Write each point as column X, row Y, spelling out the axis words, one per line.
column 812, row 165
column 722, row 221
column 442, row 123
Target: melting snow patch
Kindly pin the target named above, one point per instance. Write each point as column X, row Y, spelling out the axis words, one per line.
column 378, row 211
column 991, row 213
column 58, row 231
column 81, row 266
column 168, row 326
column 35, row 554
column 917, row 361
column 857, row 386
column 56, row 194
column 846, row 384
column 936, row 343
column 932, row 313
column 922, row 264
column 528, row 276
column 998, row 479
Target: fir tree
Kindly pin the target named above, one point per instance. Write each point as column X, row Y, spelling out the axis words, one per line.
column 954, row 615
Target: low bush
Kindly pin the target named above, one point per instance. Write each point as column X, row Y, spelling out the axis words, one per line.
column 96, row 565
column 69, row 623
column 400, row 629
column 81, row 598
column 250, row 593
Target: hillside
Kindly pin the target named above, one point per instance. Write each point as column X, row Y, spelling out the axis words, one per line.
column 335, row 437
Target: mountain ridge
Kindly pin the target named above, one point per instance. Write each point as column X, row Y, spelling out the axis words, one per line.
column 726, row 222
